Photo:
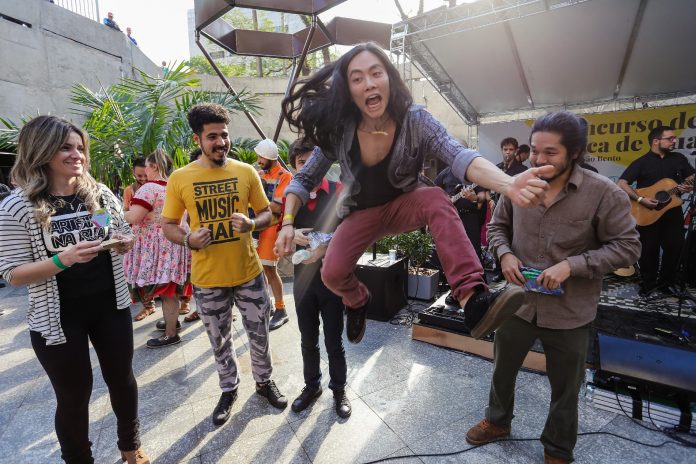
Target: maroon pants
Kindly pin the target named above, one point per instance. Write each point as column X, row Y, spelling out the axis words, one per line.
column 409, row 211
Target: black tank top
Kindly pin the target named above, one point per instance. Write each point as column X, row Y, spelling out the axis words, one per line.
column 375, row 188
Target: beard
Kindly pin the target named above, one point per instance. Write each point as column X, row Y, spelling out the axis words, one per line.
column 217, row 161
column 562, row 170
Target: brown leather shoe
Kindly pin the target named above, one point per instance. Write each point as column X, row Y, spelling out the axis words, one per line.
column 485, row 432
column 548, row 459
column 135, row 457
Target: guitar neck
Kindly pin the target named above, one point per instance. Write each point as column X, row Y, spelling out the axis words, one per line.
column 675, row 190
column 460, row 195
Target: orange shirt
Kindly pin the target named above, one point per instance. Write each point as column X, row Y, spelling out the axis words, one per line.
column 275, row 182
column 127, row 197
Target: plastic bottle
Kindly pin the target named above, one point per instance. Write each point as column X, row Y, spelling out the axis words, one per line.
column 589, row 384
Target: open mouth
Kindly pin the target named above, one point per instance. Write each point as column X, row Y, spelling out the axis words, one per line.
column 373, row 101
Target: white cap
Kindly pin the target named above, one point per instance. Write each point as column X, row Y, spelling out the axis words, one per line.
column 268, row 149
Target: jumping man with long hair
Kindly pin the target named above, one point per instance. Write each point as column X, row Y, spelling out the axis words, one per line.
column 360, row 113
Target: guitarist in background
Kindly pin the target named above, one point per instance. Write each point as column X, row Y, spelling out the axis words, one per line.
column 667, row 233
column 470, row 206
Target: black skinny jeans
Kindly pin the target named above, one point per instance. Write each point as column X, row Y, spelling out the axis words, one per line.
column 69, row 368
column 312, row 301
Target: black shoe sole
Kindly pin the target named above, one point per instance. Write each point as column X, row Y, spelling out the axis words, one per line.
column 312, row 400
column 360, row 336
column 279, row 325
column 219, row 422
column 165, row 345
column 504, row 306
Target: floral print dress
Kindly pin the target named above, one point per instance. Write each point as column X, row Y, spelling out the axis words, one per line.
column 155, row 266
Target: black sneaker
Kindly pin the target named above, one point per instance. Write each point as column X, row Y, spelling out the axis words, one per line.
column 342, row 404
column 356, row 322
column 485, row 311
column 280, row 317
column 224, row 407
column 161, row 325
column 163, row 341
column 272, row 394
column 306, row 398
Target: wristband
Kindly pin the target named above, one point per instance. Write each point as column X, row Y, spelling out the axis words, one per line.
column 186, row 241
column 253, row 225
column 289, row 217
column 57, row 262
column 639, row 199
column 287, row 224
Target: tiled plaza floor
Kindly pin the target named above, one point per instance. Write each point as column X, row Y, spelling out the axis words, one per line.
column 408, row 398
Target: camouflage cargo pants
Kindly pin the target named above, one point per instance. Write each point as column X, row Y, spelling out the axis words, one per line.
column 215, row 308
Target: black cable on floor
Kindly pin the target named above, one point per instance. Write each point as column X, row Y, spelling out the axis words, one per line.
column 454, row 453
column 675, row 440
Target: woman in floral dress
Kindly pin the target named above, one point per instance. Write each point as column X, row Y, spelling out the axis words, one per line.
column 156, row 267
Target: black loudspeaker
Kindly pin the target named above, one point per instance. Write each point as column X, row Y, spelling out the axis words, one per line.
column 659, row 364
column 386, row 280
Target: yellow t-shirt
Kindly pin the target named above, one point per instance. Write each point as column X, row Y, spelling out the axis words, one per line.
column 210, row 196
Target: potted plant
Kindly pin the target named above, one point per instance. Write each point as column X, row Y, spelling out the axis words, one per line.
column 417, row 246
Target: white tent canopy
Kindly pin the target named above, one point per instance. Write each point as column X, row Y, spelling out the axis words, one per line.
column 500, row 56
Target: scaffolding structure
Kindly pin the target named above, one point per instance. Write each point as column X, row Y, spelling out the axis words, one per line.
column 414, row 38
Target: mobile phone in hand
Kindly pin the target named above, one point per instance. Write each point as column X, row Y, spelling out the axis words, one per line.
column 111, row 243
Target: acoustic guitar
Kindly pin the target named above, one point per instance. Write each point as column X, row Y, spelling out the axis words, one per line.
column 667, row 195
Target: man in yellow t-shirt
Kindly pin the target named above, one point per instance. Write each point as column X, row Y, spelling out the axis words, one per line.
column 274, row 178
column 217, row 192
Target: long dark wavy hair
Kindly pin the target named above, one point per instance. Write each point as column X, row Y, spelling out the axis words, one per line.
column 320, row 105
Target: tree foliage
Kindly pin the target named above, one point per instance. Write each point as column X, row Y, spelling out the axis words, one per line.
column 134, row 117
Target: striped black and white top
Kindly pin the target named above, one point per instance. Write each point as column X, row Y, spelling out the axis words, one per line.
column 21, row 242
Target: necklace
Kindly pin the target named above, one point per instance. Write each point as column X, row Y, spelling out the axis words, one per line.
column 60, row 203
column 374, row 132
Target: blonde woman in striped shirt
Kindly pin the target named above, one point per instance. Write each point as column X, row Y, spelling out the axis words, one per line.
column 51, row 232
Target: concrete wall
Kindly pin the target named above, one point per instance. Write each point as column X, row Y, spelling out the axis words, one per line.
column 55, row 50
column 271, row 90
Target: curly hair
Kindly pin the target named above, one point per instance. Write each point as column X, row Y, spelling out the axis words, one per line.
column 320, row 105
column 206, row 113
column 39, row 141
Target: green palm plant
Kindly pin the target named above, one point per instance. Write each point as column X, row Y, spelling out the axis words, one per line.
column 242, row 148
column 136, row 116
column 9, row 131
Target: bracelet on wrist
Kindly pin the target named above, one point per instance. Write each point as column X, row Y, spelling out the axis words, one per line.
column 288, row 217
column 186, row 241
column 56, row 260
column 288, row 224
column 639, row 199
column 253, row 225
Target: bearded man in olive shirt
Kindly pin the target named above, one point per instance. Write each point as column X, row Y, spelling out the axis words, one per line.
column 582, row 231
